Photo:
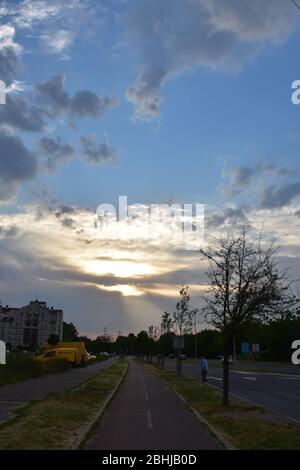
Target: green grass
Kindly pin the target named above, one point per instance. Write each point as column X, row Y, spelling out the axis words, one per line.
column 245, row 426
column 52, row 423
column 21, row 366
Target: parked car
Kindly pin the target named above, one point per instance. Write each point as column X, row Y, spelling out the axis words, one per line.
column 171, row 356
column 183, row 357
column 90, row 356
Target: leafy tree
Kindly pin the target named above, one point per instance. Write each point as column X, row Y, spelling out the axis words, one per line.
column 142, row 343
column 131, row 343
column 245, row 286
column 166, row 323
column 53, row 340
column 70, row 332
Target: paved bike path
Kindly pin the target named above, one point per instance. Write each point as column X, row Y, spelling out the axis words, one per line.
column 146, row 414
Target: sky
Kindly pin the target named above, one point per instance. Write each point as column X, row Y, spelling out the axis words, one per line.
column 162, row 101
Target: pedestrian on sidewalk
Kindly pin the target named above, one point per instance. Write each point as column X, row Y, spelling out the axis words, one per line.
column 204, row 368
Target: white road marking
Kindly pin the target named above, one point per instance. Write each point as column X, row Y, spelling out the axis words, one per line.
column 149, row 419
column 250, row 378
column 146, row 396
column 287, row 378
column 215, row 378
column 242, row 372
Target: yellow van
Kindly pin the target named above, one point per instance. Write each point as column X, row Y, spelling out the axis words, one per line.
column 78, row 345
column 69, row 354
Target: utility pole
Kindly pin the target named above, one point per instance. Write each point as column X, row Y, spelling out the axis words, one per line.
column 196, row 352
column 234, row 352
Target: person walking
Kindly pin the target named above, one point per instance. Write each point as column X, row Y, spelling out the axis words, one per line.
column 204, row 369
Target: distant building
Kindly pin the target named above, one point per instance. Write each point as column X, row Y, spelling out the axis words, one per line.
column 31, row 325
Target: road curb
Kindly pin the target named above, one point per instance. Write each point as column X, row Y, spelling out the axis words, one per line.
column 85, row 429
column 220, row 436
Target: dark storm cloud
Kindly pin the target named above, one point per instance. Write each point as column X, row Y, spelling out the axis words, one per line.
column 228, row 216
column 9, row 231
column 273, row 197
column 82, row 104
column 55, row 151
column 240, row 177
column 67, row 222
column 8, row 65
column 94, row 152
column 17, row 114
column 17, row 164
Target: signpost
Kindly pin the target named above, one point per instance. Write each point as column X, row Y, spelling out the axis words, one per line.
column 245, row 348
column 178, row 344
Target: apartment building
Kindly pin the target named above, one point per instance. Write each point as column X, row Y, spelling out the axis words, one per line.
column 30, row 325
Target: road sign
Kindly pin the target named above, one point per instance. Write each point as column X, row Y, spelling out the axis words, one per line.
column 178, row 342
column 2, row 353
column 245, row 348
column 255, row 347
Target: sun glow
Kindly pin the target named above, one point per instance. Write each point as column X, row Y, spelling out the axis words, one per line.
column 118, row 268
column 124, row 289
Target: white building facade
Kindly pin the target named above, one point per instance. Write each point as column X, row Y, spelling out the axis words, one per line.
column 31, row 325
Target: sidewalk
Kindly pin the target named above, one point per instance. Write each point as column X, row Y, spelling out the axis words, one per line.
column 12, row 396
column 146, row 414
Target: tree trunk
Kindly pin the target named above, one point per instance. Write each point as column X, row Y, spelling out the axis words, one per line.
column 226, row 372
column 178, row 363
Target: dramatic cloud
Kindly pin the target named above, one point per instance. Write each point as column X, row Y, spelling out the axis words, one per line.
column 273, row 197
column 9, row 231
column 8, row 65
column 55, row 152
column 249, row 21
column 94, row 152
column 230, row 215
column 84, row 268
column 82, row 104
column 17, row 164
column 17, row 114
column 241, row 178
column 173, row 36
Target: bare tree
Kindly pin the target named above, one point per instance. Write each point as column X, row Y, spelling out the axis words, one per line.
column 245, row 285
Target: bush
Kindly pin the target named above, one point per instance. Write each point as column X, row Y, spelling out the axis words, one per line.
column 21, row 366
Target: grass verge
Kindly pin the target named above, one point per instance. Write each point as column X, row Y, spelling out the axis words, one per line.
column 21, row 366
column 53, row 422
column 244, row 426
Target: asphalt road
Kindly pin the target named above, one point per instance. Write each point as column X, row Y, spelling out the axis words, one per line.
column 146, row 414
column 15, row 395
column 277, row 392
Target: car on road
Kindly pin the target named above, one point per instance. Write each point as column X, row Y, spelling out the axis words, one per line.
column 183, row 357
